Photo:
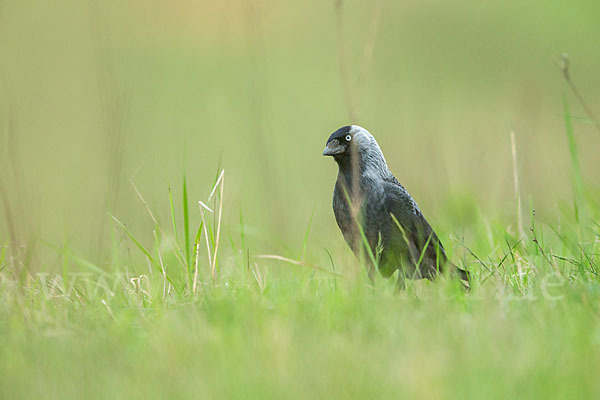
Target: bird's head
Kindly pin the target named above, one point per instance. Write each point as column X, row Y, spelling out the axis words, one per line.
column 340, row 142
column 352, row 142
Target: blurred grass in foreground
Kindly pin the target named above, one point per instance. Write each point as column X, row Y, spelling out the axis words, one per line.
column 116, row 282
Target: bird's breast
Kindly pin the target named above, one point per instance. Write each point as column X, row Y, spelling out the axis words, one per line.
column 358, row 210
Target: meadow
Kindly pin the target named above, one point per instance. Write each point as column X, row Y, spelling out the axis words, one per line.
column 166, row 228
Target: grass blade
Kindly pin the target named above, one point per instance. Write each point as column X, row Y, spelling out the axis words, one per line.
column 134, row 240
column 305, row 244
column 300, row 263
column 575, row 165
column 197, row 256
column 186, row 222
column 214, row 263
column 173, row 220
column 2, row 257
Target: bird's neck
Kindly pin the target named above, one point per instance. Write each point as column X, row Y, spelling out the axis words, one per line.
column 356, row 183
column 358, row 173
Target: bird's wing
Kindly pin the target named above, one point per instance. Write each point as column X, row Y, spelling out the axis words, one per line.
column 395, row 189
column 417, row 231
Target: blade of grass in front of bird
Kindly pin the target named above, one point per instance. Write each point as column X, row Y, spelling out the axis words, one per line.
column 422, row 255
column 367, row 246
column 400, row 228
column 405, row 237
column 363, row 237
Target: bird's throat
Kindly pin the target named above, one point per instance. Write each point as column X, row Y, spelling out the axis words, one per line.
column 351, row 183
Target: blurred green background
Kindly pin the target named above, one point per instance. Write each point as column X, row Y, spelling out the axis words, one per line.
column 97, row 95
column 93, row 94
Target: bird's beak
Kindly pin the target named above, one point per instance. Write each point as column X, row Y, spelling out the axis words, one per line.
column 333, row 147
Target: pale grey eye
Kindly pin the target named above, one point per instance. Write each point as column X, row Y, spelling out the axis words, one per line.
column 348, row 138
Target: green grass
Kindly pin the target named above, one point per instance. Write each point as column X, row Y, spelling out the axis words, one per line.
column 114, row 287
column 271, row 329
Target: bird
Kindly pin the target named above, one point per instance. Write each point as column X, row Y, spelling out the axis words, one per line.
column 378, row 218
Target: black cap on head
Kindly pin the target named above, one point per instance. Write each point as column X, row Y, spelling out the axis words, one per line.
column 338, row 142
column 340, row 133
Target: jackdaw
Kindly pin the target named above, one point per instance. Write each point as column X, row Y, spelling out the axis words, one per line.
column 380, row 221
